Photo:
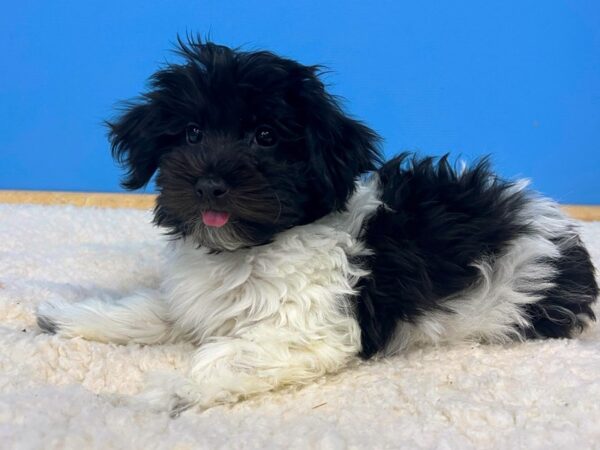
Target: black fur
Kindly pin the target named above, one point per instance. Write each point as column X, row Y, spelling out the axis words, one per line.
column 434, row 226
column 435, row 222
column 46, row 324
column 309, row 173
column 560, row 311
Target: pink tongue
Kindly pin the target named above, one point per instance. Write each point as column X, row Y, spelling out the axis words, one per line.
column 215, row 218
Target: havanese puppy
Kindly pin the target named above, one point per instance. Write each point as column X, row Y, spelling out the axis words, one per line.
column 295, row 250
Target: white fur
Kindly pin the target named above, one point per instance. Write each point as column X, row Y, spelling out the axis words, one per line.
column 261, row 317
column 137, row 318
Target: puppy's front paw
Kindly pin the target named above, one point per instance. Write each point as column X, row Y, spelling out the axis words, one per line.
column 179, row 405
column 46, row 324
column 170, row 393
column 52, row 315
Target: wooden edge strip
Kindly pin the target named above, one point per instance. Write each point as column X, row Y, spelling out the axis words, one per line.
column 582, row 212
column 101, row 200
column 146, row 201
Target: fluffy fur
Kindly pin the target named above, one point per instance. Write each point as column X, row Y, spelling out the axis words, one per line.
column 294, row 250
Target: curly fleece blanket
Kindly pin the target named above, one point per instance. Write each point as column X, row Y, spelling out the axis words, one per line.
column 59, row 393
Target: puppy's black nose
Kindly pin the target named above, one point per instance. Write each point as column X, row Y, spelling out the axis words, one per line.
column 211, row 188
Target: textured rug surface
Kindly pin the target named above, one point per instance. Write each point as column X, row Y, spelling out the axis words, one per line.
column 56, row 393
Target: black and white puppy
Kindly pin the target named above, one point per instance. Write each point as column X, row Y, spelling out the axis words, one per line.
column 295, row 249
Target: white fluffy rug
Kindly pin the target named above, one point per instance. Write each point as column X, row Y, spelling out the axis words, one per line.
column 55, row 393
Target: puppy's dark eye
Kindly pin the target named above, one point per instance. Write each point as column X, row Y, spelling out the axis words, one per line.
column 265, row 136
column 193, row 134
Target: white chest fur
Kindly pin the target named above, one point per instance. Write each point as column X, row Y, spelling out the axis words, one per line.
column 304, row 277
column 303, row 281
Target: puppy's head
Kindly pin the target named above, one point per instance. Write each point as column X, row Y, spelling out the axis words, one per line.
column 246, row 144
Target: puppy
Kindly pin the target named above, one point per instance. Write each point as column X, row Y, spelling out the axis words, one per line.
column 295, row 249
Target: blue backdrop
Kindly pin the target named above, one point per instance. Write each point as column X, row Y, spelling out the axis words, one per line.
column 516, row 79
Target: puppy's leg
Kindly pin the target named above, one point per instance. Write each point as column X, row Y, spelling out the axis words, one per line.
column 227, row 369
column 140, row 318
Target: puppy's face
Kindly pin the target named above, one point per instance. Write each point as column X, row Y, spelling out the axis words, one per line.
column 246, row 144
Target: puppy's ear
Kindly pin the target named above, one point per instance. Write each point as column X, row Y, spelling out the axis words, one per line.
column 341, row 148
column 134, row 142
